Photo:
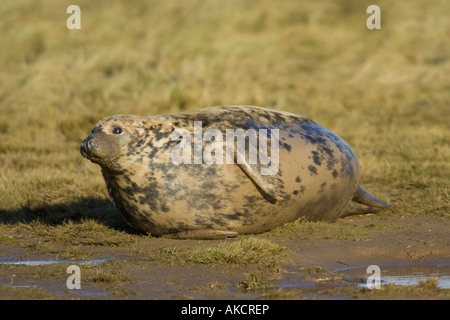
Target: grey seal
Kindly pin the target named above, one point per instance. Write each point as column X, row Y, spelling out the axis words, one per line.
column 220, row 171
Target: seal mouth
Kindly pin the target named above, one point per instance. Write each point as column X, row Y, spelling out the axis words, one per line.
column 87, row 153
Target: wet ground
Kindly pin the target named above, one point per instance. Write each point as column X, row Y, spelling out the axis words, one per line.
column 411, row 256
column 403, row 274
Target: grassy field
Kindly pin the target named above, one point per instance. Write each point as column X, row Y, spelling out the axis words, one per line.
column 386, row 92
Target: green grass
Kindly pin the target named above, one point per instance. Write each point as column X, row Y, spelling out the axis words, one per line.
column 244, row 251
column 252, row 282
column 387, row 92
column 100, row 276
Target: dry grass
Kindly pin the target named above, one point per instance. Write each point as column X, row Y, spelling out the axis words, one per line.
column 387, row 92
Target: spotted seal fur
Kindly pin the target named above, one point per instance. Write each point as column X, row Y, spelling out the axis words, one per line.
column 317, row 174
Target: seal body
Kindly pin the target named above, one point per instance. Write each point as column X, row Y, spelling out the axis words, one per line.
column 182, row 175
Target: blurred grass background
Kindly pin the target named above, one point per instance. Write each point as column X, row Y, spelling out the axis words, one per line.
column 387, row 92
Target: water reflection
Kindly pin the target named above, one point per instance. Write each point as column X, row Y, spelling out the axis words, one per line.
column 52, row 261
column 406, row 275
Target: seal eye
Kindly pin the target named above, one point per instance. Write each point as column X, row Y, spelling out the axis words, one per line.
column 117, row 130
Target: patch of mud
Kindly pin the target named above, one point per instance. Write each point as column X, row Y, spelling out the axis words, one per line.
column 325, row 261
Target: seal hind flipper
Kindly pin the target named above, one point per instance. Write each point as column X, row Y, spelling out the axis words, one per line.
column 363, row 202
column 202, row 234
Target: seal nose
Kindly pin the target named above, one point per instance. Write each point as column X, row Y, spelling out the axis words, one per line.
column 86, row 145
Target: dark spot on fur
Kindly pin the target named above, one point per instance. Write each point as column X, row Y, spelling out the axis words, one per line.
column 301, row 191
column 219, row 222
column 208, row 184
column 312, row 169
column 211, row 170
column 328, row 151
column 204, row 222
column 236, row 216
column 316, row 158
column 287, row 147
column 139, row 143
column 298, row 179
column 335, row 174
column 181, row 226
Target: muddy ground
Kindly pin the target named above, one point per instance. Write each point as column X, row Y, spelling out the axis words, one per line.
column 318, row 261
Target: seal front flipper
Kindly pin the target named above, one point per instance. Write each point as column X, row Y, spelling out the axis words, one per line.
column 202, row 234
column 266, row 177
column 363, row 202
column 271, row 187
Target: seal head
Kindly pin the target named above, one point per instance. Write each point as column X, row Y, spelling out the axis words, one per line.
column 108, row 140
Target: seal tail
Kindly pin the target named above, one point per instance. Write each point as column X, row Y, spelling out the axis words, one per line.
column 363, row 202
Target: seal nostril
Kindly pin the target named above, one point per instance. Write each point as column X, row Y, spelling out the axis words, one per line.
column 83, row 147
column 86, row 145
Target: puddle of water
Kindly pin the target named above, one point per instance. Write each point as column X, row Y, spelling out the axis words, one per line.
column 59, row 288
column 392, row 274
column 23, row 286
column 405, row 275
column 51, row 261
